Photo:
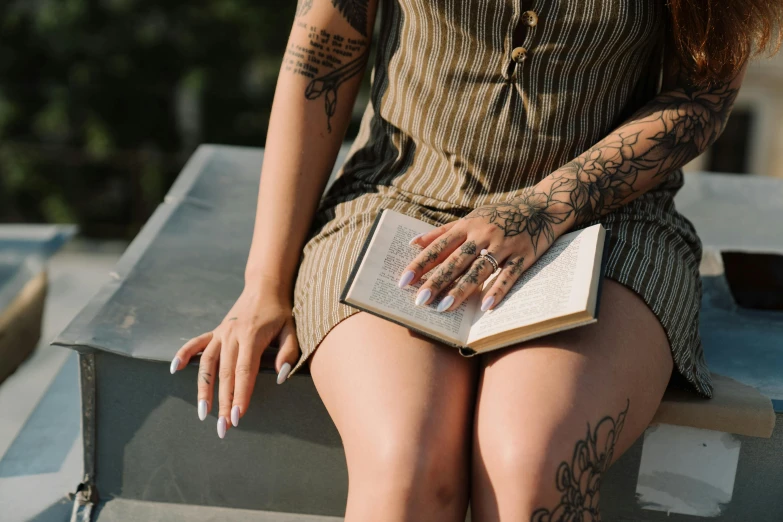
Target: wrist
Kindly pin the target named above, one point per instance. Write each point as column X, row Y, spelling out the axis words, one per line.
column 552, row 203
column 272, row 286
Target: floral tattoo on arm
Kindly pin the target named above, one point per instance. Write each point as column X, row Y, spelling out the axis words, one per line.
column 664, row 135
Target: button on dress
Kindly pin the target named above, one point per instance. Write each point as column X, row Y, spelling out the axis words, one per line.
column 474, row 100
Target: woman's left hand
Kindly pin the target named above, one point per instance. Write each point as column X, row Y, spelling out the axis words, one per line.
column 515, row 233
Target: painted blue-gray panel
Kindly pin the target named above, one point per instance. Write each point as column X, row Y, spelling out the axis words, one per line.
column 51, row 430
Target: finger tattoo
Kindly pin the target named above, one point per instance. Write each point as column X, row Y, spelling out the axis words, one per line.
column 469, row 248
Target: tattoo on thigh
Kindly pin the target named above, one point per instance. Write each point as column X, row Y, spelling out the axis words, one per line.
column 580, row 481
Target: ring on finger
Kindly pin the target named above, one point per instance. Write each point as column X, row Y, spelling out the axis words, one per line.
column 489, row 257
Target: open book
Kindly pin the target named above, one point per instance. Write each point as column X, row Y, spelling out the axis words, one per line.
column 560, row 291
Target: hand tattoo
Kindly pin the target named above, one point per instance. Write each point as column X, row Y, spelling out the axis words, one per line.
column 433, row 252
column 469, row 248
column 533, row 213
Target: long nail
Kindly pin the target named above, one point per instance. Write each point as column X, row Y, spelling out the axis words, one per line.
column 202, row 409
column 221, row 427
column 283, row 374
column 487, row 303
column 235, row 416
column 422, row 297
column 414, row 238
column 174, row 365
column 406, row 278
column 445, row 303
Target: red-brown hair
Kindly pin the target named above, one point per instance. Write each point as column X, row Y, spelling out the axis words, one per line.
column 714, row 38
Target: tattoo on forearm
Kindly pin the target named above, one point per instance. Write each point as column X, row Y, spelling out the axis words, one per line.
column 328, row 59
column 692, row 120
column 619, row 168
column 607, row 176
column 580, row 481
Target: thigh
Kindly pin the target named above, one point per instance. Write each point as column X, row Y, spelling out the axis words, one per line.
column 553, row 413
column 398, row 399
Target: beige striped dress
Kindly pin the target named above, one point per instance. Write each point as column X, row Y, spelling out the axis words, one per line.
column 473, row 100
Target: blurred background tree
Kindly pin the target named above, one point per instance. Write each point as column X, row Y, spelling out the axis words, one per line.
column 103, row 101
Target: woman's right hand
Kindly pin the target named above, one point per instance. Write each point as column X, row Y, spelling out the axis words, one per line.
column 233, row 350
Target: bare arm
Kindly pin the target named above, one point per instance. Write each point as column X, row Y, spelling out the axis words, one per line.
column 316, row 89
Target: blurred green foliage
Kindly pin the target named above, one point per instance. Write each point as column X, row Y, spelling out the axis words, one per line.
column 102, row 101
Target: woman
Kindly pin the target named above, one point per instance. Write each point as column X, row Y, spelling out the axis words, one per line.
column 507, row 124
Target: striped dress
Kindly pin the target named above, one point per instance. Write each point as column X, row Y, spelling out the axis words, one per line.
column 473, row 100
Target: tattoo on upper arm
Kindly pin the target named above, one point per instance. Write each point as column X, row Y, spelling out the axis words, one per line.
column 579, row 481
column 329, row 59
column 303, row 7
column 355, row 11
column 328, row 84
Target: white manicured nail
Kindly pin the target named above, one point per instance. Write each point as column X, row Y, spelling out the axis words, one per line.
column 221, row 427
column 283, row 374
column 422, row 296
column 235, row 416
column 174, row 365
column 406, row 278
column 414, row 238
column 202, row 409
column 445, row 303
column 487, row 303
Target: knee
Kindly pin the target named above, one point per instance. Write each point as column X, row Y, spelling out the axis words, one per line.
column 412, row 471
column 533, row 477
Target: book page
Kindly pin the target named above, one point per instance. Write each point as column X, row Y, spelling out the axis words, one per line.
column 557, row 284
column 375, row 286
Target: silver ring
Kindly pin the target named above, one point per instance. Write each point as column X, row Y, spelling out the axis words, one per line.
column 485, row 254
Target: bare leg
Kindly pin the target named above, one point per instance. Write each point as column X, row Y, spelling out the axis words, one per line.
column 404, row 408
column 587, row 393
